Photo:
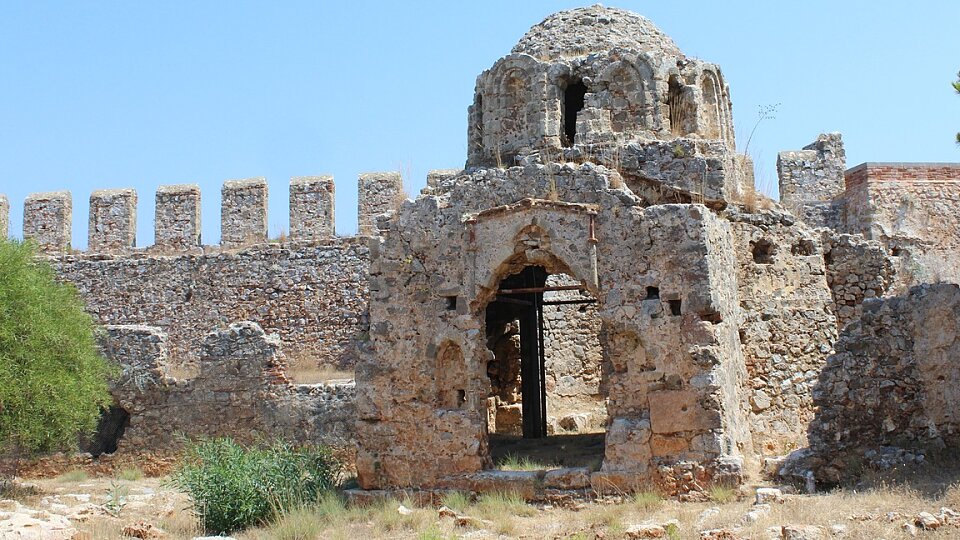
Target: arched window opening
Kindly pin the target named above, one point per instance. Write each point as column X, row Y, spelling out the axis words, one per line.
column 679, row 106
column 573, row 101
column 711, row 108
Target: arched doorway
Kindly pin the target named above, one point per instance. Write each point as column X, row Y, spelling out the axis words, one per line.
column 547, row 401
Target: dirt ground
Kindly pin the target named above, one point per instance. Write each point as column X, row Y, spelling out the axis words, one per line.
column 120, row 504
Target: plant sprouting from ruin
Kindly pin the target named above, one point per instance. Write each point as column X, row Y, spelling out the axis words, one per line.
column 764, row 112
column 956, row 88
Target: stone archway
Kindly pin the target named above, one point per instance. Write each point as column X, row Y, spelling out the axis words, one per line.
column 521, row 364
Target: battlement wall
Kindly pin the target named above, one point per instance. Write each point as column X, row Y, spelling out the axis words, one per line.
column 48, row 217
column 313, row 295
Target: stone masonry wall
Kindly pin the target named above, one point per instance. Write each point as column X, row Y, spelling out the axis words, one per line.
column 241, row 384
column 677, row 373
column 890, row 384
column 574, row 363
column 177, row 218
column 378, row 193
column 113, row 220
column 313, row 295
column 243, row 214
column 857, row 270
column 913, row 209
column 311, row 207
column 47, row 220
column 812, row 181
column 787, row 324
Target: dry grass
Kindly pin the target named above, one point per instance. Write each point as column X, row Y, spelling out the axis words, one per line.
column 513, row 462
column 75, row 475
column 902, row 492
column 130, row 474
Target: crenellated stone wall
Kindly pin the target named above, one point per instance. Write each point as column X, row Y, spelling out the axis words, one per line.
column 243, row 212
column 113, row 220
column 312, row 289
column 378, row 193
column 177, row 218
column 311, row 207
column 48, row 220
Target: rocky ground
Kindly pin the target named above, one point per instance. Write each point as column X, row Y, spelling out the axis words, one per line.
column 919, row 502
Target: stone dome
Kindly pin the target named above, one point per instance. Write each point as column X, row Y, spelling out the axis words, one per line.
column 581, row 31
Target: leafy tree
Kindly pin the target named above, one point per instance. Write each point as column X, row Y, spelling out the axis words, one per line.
column 956, row 87
column 53, row 381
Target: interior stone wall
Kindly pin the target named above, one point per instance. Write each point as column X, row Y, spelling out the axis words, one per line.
column 574, row 362
column 787, row 325
column 241, row 385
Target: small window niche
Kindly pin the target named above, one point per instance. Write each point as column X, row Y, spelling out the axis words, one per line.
column 574, row 96
column 763, row 251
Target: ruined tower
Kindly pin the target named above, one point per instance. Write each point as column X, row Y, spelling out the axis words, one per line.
column 601, row 173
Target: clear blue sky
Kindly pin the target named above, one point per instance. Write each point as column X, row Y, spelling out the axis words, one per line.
column 136, row 94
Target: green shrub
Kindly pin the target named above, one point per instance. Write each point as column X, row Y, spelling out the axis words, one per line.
column 233, row 487
column 53, row 381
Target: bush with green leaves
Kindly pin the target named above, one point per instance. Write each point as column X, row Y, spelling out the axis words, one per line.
column 53, row 381
column 234, row 487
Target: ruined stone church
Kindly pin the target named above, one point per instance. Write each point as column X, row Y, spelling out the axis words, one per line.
column 602, row 272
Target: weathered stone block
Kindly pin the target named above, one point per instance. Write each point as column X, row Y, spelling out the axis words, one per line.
column 377, row 193
column 177, row 217
column 47, row 220
column 113, row 220
column 673, row 411
column 311, row 207
column 243, row 212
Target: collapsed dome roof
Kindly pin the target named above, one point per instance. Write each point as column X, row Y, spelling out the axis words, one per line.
column 581, row 31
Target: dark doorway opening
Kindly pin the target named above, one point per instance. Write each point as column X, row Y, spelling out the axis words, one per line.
column 518, row 308
column 573, row 102
column 110, row 428
column 539, row 359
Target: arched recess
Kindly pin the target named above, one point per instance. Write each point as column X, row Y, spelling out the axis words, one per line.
column 629, row 86
column 451, row 376
column 505, row 108
column 556, row 235
column 681, row 107
column 711, row 111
